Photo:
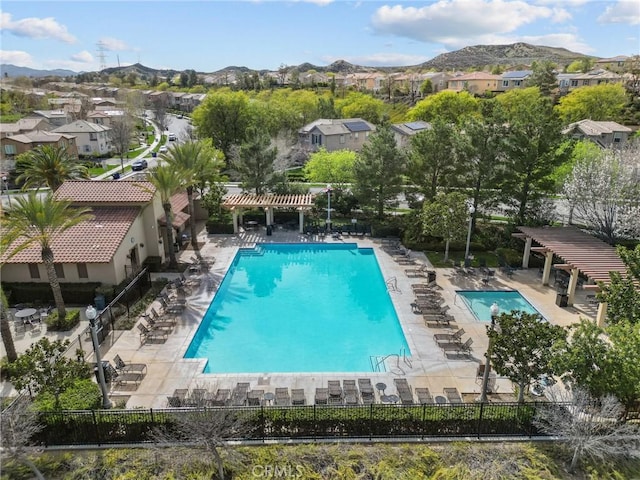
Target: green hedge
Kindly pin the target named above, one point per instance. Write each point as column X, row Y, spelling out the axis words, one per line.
column 83, row 395
column 40, row 293
column 223, row 228
column 55, row 324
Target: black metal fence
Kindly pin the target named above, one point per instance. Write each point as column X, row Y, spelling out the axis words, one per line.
column 377, row 421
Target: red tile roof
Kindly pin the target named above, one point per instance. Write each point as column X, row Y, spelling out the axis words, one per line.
column 178, row 219
column 92, row 192
column 179, row 202
column 93, row 241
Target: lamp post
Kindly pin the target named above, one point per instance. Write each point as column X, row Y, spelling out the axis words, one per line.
column 92, row 313
column 329, row 207
column 466, row 250
column 495, row 310
column 5, row 186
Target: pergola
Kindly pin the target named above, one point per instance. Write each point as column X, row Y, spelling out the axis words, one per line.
column 237, row 203
column 579, row 251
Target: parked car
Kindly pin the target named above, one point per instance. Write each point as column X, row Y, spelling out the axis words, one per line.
column 139, row 165
column 172, row 137
column 163, row 149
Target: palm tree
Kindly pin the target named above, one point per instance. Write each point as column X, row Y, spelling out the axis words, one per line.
column 194, row 162
column 5, row 329
column 35, row 220
column 50, row 165
column 166, row 181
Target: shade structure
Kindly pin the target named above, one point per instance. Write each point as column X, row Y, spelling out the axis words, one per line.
column 591, row 256
column 268, row 200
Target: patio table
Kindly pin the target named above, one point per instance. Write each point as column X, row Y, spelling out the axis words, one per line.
column 25, row 314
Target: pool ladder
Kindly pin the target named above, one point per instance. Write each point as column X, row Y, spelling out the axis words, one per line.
column 378, row 362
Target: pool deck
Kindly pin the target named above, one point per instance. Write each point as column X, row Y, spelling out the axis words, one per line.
column 426, row 367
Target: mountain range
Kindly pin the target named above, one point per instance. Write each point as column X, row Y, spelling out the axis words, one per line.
column 477, row 56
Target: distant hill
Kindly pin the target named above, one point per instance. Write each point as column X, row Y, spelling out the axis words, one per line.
column 15, row 71
column 142, row 71
column 507, row 55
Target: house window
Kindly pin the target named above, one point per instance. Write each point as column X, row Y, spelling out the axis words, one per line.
column 585, row 82
column 82, row 270
column 87, row 148
column 574, row 83
column 93, row 137
column 505, row 83
column 59, row 268
column 34, row 271
column 517, row 83
column 10, row 149
column 342, row 140
column 356, row 135
column 316, row 139
column 617, row 137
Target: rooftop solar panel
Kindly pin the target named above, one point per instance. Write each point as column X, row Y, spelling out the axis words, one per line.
column 419, row 125
column 357, row 126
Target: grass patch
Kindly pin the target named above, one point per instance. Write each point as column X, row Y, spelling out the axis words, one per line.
column 95, row 171
column 11, row 117
column 136, row 152
column 437, row 259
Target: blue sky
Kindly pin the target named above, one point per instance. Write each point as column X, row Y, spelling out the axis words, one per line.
column 210, row 35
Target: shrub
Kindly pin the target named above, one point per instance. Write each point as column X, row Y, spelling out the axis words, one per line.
column 55, row 324
column 84, row 394
column 31, row 292
column 509, row 255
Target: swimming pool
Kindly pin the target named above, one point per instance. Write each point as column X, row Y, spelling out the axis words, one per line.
column 299, row 308
column 479, row 302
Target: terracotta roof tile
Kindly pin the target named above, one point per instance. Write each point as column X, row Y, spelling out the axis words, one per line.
column 179, row 201
column 94, row 192
column 93, row 241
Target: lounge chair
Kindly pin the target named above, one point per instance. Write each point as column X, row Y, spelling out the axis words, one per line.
column 366, row 391
column 297, row 396
column 174, row 402
column 282, row 396
column 254, row 397
column 159, row 324
column 449, row 337
column 404, row 390
column 239, row 394
column 148, row 334
column 172, row 318
column 422, row 272
column 123, row 367
column 322, row 396
column 350, row 392
column 426, row 309
column 335, row 390
column 172, row 307
column 125, row 378
column 222, row 397
column 458, row 348
column 440, row 318
column 196, row 398
column 424, row 396
column 452, row 395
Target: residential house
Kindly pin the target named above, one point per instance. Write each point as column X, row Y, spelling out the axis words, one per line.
column 14, row 145
column 565, row 81
column 109, row 247
column 605, row 134
column 91, row 138
column 104, row 117
column 159, row 98
column 595, row 77
column 614, row 64
column 55, row 118
column 477, row 83
column 24, row 125
column 514, row 79
column 439, row 81
column 370, row 82
column 101, row 104
column 403, row 132
column 335, row 134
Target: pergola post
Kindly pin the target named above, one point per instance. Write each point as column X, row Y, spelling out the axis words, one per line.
column 301, row 221
column 267, row 212
column 527, row 252
column 602, row 314
column 235, row 221
column 548, row 261
column 571, row 288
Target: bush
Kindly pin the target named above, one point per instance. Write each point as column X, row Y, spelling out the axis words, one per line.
column 55, row 324
column 512, row 257
column 30, row 292
column 223, row 228
column 83, row 395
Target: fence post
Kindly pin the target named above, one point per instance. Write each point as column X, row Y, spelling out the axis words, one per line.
column 480, row 419
column 370, row 421
column 315, row 423
column 95, row 426
column 262, row 422
column 423, row 423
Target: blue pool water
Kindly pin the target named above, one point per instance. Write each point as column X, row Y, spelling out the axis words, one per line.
column 479, row 302
column 299, row 308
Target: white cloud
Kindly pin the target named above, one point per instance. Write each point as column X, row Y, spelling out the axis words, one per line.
column 456, row 22
column 68, row 65
column 624, row 11
column 82, row 57
column 563, row 3
column 560, row 40
column 38, row 28
column 380, row 59
column 16, row 57
column 320, row 3
column 114, row 45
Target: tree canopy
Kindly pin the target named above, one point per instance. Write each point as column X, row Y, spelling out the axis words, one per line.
column 446, row 216
column 253, row 161
column 600, row 103
column 50, row 166
column 330, row 167
column 446, row 106
column 361, row 105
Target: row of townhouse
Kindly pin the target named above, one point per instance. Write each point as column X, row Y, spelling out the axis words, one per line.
column 352, row 133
